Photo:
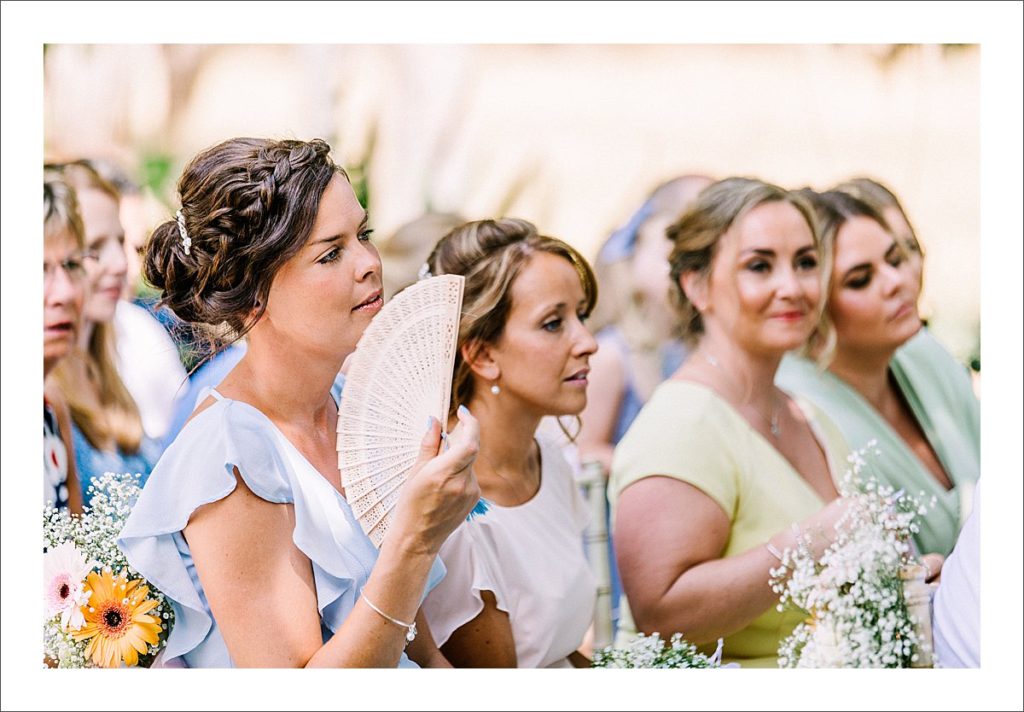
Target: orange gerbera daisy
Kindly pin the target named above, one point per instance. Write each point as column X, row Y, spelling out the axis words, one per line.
column 116, row 622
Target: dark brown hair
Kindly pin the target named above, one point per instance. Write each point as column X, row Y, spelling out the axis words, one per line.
column 248, row 206
column 490, row 254
column 832, row 210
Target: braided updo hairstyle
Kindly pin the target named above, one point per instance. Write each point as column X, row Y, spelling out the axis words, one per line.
column 490, row 254
column 248, row 206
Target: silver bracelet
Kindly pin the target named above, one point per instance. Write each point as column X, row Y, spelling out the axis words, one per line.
column 410, row 628
column 772, row 550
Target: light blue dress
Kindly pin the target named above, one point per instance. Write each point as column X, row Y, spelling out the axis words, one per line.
column 207, row 376
column 92, row 463
column 198, row 469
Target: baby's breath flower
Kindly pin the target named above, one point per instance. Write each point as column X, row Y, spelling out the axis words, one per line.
column 651, row 652
column 853, row 593
column 95, row 533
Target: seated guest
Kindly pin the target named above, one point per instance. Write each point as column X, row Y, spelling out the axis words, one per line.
column 720, row 463
column 106, row 425
column 64, row 285
column 244, row 524
column 918, row 408
column 519, row 591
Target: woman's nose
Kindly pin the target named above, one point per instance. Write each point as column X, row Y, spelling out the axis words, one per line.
column 586, row 344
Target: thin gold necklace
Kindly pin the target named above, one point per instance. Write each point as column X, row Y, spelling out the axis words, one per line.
column 773, row 420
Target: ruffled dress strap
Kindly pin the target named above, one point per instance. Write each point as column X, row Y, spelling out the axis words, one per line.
column 197, row 469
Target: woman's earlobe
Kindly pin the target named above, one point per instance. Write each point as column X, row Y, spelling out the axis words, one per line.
column 480, row 361
column 694, row 286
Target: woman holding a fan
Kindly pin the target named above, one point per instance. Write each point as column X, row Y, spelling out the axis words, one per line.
column 244, row 523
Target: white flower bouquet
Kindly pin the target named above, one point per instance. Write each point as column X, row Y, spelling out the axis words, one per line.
column 652, row 652
column 862, row 609
column 97, row 611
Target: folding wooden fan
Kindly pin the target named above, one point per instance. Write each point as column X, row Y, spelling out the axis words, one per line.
column 399, row 375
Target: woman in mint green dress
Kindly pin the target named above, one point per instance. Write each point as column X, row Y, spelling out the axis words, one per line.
column 878, row 382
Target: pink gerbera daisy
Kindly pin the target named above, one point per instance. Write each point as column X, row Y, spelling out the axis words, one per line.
column 64, row 572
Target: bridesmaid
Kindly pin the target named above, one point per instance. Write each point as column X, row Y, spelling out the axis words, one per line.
column 519, row 590
column 918, row 407
column 244, row 524
column 719, row 464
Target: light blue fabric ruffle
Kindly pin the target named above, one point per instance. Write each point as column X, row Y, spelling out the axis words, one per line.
column 198, row 469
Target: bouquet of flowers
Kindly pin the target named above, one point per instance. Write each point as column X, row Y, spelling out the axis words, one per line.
column 863, row 610
column 651, row 652
column 98, row 611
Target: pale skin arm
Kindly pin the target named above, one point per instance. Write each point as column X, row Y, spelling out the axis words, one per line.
column 687, row 587
column 261, row 590
column 604, row 398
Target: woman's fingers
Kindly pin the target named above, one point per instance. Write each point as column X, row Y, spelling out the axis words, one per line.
column 933, row 566
column 430, row 443
column 466, row 435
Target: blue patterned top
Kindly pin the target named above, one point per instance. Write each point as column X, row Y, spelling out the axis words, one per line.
column 93, row 464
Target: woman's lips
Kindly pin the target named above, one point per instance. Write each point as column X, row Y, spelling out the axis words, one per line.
column 903, row 311
column 373, row 304
column 579, row 378
column 58, row 328
column 112, row 293
column 790, row 316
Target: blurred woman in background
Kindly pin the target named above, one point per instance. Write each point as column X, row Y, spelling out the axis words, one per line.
column 107, row 427
column 64, row 287
column 639, row 347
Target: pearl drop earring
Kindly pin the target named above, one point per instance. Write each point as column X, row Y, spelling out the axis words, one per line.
column 495, row 389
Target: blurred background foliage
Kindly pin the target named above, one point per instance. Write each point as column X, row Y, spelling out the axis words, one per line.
column 570, row 137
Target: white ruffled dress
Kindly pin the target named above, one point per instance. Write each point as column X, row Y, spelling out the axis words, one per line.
column 532, row 558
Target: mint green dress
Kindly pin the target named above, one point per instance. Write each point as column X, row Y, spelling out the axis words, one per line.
column 940, row 395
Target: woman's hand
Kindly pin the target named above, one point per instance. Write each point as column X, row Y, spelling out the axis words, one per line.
column 933, row 567
column 441, row 489
column 820, row 528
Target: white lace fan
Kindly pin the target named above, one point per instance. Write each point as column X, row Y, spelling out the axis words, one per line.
column 399, row 375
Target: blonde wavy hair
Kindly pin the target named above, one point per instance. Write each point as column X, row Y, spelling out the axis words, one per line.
column 696, row 235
